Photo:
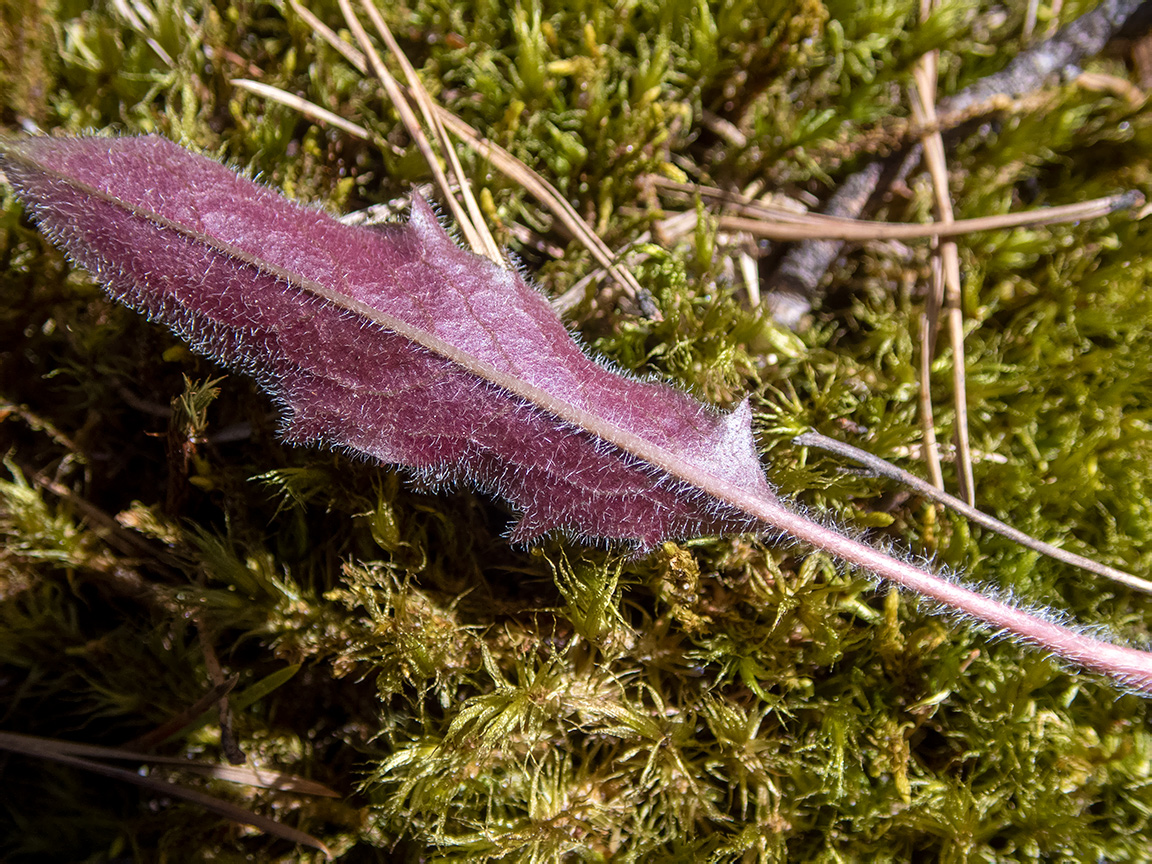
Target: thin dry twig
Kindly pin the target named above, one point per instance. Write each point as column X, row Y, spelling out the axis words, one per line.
column 774, row 222
column 122, row 540
column 41, row 424
column 792, row 287
column 228, row 742
column 883, row 468
column 174, row 725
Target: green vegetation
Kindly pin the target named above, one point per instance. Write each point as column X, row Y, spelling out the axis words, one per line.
column 724, row 700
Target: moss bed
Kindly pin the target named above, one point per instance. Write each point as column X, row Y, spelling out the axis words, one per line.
column 724, row 699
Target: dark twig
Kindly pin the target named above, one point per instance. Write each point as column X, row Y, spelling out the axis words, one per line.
column 1084, row 37
column 228, row 742
column 793, row 286
column 65, row 753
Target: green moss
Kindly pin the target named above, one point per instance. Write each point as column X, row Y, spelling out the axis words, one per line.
column 721, row 700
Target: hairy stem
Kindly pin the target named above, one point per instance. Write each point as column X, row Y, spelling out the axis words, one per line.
column 1126, row 665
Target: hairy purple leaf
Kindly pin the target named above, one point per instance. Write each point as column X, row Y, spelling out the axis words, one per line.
column 397, row 344
column 392, row 342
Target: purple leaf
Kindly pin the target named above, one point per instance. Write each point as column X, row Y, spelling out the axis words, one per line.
column 394, row 343
column 399, row 345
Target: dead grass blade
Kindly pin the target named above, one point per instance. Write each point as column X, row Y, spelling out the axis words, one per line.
column 550, row 197
column 66, row 754
column 412, row 124
column 946, row 277
column 329, row 35
column 308, row 109
column 254, row 775
column 882, row 468
column 428, row 109
column 926, row 341
column 518, row 172
column 145, row 30
column 247, row 775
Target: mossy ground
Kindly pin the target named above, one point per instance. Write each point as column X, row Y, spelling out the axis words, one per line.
column 722, row 700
